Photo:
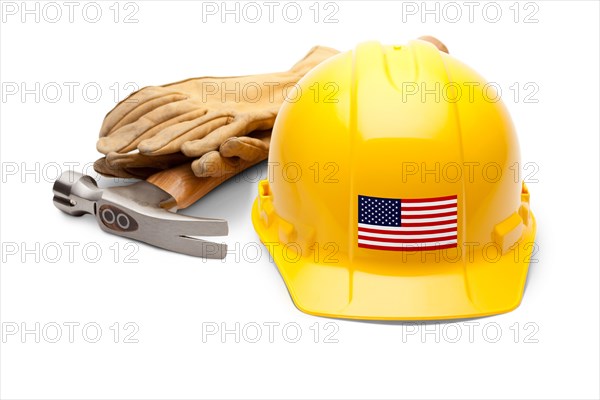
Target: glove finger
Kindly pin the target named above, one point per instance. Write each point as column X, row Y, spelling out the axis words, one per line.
column 102, row 167
column 146, row 108
column 246, row 147
column 231, row 154
column 240, row 125
column 127, row 137
column 173, row 138
column 213, row 164
column 150, row 133
column 136, row 105
column 137, row 160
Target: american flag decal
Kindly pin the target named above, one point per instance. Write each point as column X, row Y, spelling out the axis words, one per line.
column 407, row 224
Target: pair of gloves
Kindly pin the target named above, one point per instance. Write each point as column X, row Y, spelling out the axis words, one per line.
column 218, row 125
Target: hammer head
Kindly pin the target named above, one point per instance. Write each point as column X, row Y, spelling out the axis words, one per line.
column 135, row 211
column 75, row 193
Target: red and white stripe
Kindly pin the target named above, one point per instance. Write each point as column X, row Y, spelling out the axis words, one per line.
column 426, row 224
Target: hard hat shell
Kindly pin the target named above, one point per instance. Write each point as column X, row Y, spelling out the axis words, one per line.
column 396, row 126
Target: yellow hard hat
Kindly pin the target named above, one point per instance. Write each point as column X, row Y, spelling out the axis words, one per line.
column 393, row 190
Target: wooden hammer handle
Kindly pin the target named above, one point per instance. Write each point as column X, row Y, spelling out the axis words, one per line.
column 186, row 188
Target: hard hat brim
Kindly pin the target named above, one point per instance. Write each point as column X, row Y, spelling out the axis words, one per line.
column 448, row 290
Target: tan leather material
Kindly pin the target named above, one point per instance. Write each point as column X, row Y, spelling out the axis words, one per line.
column 253, row 149
column 234, row 154
column 247, row 147
column 202, row 111
column 436, row 42
column 101, row 166
column 136, row 165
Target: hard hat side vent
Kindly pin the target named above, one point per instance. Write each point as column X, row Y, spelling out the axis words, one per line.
column 265, row 203
column 510, row 231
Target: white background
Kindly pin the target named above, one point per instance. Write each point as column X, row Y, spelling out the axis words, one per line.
column 172, row 298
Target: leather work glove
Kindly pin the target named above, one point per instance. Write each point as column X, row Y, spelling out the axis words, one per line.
column 135, row 165
column 234, row 155
column 221, row 124
column 159, row 127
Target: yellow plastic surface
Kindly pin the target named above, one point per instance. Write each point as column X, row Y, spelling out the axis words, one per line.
column 355, row 127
